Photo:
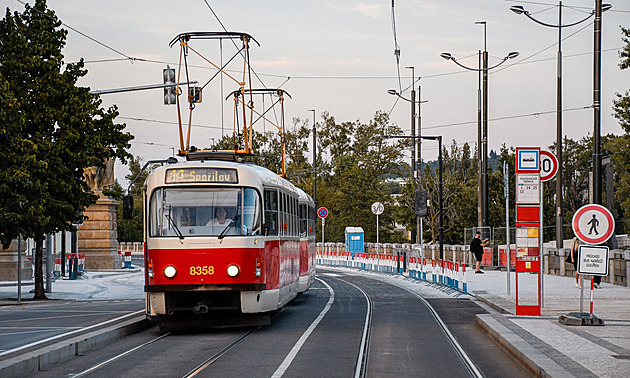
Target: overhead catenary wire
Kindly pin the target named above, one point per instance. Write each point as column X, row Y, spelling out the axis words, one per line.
column 128, row 58
column 396, row 49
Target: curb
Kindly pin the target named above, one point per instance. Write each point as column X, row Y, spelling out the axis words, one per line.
column 42, row 359
column 495, row 306
column 535, row 362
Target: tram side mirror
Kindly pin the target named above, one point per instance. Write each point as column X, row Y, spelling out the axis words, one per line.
column 127, row 207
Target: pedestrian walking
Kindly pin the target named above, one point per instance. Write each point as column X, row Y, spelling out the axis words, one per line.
column 476, row 247
column 573, row 257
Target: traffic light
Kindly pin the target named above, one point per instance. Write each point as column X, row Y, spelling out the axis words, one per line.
column 170, row 95
column 421, row 203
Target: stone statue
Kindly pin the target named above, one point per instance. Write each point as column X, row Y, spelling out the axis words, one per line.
column 99, row 178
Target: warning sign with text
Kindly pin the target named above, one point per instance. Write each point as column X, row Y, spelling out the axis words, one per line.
column 593, row 260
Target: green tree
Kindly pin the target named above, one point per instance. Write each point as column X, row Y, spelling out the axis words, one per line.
column 64, row 130
column 619, row 147
column 353, row 162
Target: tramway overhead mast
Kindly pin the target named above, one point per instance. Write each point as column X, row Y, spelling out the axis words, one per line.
column 245, row 116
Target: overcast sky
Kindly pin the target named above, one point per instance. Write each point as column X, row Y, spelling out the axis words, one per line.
column 338, row 56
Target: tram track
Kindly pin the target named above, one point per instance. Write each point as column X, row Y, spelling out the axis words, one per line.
column 205, row 364
column 363, row 356
column 364, row 348
column 219, row 354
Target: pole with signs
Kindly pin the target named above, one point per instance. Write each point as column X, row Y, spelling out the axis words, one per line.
column 507, row 224
column 593, row 224
column 322, row 212
column 377, row 209
column 548, row 169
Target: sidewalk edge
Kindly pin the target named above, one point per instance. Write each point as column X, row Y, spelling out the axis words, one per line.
column 535, row 362
column 65, row 350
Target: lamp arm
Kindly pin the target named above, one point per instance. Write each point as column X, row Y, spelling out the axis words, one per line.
column 558, row 26
column 496, row 65
column 468, row 68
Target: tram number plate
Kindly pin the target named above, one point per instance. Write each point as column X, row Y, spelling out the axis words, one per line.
column 201, row 270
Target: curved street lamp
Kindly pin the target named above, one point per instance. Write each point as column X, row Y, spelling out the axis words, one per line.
column 482, row 134
column 519, row 9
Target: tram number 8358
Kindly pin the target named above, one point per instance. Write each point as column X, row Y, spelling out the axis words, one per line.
column 201, row 270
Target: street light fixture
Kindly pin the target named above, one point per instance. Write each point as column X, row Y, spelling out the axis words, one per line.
column 483, row 137
column 519, row 9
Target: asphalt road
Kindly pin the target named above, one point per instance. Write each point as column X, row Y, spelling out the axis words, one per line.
column 21, row 326
column 320, row 336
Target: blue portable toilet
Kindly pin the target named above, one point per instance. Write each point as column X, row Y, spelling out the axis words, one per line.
column 354, row 240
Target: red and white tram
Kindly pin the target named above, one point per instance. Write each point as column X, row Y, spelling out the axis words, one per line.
column 307, row 240
column 224, row 239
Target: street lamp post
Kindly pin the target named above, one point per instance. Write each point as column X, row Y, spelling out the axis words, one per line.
column 597, row 82
column 314, row 160
column 518, row 9
column 441, row 208
column 413, row 132
column 484, row 138
column 413, row 150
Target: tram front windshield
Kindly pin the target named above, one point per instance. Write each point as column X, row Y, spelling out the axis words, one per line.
column 194, row 212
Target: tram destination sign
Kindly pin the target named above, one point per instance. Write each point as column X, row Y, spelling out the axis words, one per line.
column 201, row 175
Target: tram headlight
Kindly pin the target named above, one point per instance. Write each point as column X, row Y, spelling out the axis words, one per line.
column 233, row 270
column 170, row 271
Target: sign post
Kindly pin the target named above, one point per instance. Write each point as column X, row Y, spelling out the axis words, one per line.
column 593, row 224
column 322, row 212
column 377, row 209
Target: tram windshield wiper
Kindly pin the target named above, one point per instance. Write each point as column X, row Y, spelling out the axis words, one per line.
column 232, row 223
column 172, row 222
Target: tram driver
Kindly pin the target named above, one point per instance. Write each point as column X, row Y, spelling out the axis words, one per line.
column 220, row 217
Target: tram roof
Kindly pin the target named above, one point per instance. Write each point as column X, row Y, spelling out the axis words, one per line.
column 248, row 175
column 304, row 197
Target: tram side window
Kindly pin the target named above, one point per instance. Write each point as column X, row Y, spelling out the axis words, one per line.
column 303, row 220
column 283, row 212
column 251, row 211
column 296, row 218
column 271, row 211
column 311, row 219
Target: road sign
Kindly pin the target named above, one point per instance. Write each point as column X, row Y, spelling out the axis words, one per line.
column 527, row 160
column 378, row 208
column 593, row 260
column 322, row 212
column 527, row 188
column 548, row 165
column 593, row 224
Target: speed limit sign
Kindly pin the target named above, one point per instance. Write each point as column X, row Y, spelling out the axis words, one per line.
column 548, row 165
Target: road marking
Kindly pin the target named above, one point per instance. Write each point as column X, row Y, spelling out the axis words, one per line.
column 296, row 348
column 118, row 319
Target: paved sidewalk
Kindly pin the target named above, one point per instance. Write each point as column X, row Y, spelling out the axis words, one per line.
column 102, row 285
column 542, row 344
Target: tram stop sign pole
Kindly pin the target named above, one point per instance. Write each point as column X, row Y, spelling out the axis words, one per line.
column 529, row 257
column 593, row 224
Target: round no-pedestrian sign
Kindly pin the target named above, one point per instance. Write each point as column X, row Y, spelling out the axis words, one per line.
column 322, row 212
column 593, row 224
